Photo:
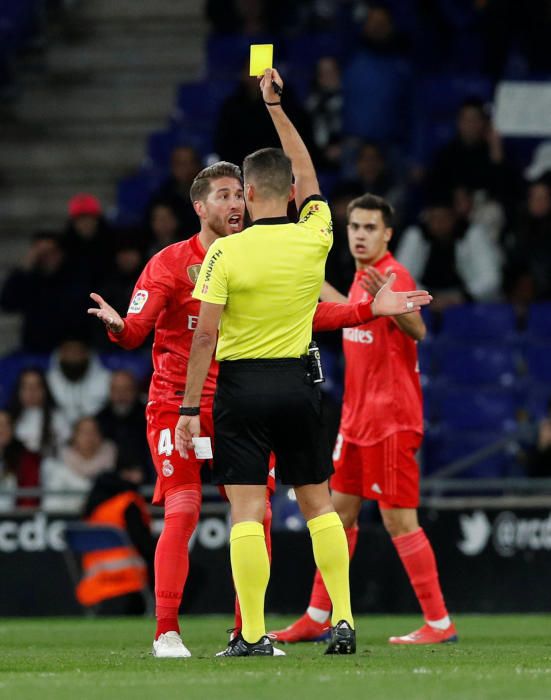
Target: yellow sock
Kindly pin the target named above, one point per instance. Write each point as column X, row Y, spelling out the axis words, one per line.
column 251, row 572
column 332, row 559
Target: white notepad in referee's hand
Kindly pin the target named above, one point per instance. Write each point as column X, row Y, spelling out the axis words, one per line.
column 202, row 447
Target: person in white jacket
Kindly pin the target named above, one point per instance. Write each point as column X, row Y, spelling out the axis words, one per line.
column 457, row 261
column 78, row 381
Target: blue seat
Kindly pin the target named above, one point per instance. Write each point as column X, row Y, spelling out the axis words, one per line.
column 538, row 361
column 138, row 363
column 446, row 447
column 475, row 322
column 133, row 195
column 539, row 321
column 227, row 53
column 476, row 364
column 536, row 400
column 198, row 103
column 466, row 408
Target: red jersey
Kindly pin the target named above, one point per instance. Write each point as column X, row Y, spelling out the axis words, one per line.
column 382, row 392
column 162, row 299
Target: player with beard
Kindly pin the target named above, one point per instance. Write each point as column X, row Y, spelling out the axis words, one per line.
column 381, row 431
column 163, row 301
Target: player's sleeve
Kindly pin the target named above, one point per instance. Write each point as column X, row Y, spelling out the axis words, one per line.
column 315, row 217
column 330, row 316
column 212, row 283
column 151, row 294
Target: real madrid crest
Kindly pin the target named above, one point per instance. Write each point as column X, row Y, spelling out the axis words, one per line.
column 193, row 272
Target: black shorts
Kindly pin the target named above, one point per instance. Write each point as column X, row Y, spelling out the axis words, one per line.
column 264, row 406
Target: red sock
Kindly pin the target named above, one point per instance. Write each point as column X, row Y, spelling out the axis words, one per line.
column 319, row 597
column 417, row 556
column 268, row 535
column 172, row 556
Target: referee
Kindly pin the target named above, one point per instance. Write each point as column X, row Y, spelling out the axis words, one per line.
column 260, row 288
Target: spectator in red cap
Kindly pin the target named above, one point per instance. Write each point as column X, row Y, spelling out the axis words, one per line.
column 87, row 237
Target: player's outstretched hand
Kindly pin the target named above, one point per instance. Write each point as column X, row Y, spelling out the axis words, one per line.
column 187, row 428
column 390, row 303
column 107, row 314
column 268, row 93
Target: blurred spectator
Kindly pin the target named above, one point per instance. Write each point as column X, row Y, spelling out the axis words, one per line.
column 114, row 580
column 49, row 293
column 119, row 282
column 377, row 84
column 474, row 157
column 340, row 266
column 164, row 227
column 185, row 163
column 87, row 238
column 245, row 126
column 476, row 208
column 529, row 248
column 373, row 175
column 123, row 419
column 19, row 468
column 455, row 260
column 39, row 425
column 87, row 455
column 324, row 105
column 247, row 17
column 78, row 381
column 539, row 460
column 540, row 167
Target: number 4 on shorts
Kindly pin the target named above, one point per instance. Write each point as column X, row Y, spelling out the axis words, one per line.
column 165, row 446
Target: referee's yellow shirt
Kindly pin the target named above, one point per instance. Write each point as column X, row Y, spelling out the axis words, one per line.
column 268, row 277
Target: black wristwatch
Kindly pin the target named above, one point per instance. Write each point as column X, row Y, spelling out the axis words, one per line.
column 189, row 410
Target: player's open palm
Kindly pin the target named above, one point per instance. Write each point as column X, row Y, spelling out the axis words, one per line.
column 387, row 302
column 106, row 314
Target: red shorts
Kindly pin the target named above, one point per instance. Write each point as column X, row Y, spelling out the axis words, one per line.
column 386, row 471
column 172, row 469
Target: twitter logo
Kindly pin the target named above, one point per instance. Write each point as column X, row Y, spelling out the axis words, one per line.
column 476, row 531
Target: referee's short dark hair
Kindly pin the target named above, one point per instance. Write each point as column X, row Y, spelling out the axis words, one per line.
column 200, row 186
column 270, row 171
column 373, row 203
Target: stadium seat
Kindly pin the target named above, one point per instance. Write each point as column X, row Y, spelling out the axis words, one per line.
column 441, row 449
column 538, row 361
column 475, row 322
column 467, row 408
column 536, row 400
column 476, row 364
column 133, row 194
column 539, row 321
column 227, row 53
column 136, row 362
column 198, row 103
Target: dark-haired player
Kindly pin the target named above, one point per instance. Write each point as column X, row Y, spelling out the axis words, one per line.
column 381, row 430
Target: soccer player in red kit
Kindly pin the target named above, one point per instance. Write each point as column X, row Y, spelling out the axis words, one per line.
column 163, row 301
column 381, row 430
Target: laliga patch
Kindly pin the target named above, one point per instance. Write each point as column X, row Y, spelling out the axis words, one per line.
column 168, row 469
column 138, row 302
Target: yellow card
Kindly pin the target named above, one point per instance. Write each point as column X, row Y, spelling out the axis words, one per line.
column 262, row 57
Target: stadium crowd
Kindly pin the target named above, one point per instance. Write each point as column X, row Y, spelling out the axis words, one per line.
column 473, row 212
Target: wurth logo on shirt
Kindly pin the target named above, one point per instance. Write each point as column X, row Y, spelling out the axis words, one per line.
column 210, row 266
column 356, row 335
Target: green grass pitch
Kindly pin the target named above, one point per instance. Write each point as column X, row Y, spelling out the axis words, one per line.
column 501, row 657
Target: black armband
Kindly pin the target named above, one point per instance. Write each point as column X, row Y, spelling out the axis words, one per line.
column 189, row 410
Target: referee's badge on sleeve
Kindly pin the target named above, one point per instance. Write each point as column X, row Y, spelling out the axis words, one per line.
column 138, row 301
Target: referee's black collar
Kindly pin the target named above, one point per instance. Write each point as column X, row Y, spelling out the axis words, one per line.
column 271, row 220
